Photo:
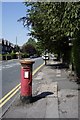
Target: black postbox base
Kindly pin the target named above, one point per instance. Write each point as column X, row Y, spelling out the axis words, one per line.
column 26, row 99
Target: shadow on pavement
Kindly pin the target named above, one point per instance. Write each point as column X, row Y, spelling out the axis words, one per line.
column 58, row 66
column 40, row 96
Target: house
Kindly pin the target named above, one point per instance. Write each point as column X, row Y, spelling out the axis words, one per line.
column 6, row 46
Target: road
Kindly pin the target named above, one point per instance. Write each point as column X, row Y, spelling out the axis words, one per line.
column 11, row 75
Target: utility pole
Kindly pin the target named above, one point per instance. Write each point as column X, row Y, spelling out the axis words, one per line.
column 16, row 40
column 17, row 50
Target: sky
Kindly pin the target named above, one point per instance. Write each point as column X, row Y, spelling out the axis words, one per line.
column 11, row 29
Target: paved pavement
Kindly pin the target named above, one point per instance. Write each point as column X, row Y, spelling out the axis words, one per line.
column 54, row 96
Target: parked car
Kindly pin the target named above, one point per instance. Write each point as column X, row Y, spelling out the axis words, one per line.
column 34, row 56
column 45, row 57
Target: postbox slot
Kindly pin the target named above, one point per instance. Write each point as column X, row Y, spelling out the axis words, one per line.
column 26, row 68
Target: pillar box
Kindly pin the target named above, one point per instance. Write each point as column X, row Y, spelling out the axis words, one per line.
column 26, row 80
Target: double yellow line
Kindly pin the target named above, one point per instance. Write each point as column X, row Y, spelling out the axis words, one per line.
column 8, row 96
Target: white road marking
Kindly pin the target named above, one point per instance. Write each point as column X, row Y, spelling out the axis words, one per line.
column 58, row 75
column 3, row 67
column 58, row 71
column 9, row 66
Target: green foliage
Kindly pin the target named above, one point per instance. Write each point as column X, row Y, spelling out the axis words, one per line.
column 13, row 55
column 29, row 49
column 24, row 55
column 51, row 21
column 32, row 47
column 52, row 24
column 16, row 48
column 31, row 41
column 76, row 56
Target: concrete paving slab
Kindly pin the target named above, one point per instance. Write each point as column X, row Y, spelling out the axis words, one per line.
column 52, row 108
column 39, row 76
column 68, row 103
column 48, row 88
column 37, row 110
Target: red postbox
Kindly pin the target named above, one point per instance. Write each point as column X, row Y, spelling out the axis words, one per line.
column 26, row 80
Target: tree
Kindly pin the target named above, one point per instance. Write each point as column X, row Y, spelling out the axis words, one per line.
column 71, row 20
column 45, row 19
column 16, row 48
column 39, row 48
column 31, row 41
column 53, row 24
column 29, row 49
column 32, row 44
